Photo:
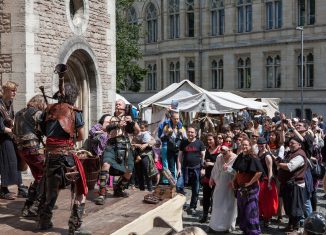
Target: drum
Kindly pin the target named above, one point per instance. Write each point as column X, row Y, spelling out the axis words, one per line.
column 92, row 167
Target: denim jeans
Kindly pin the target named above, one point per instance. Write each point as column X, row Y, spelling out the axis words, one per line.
column 164, row 158
column 193, row 181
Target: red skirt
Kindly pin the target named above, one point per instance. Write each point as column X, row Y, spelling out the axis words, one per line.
column 268, row 200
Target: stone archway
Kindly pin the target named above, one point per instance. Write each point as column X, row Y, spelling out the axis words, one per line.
column 82, row 72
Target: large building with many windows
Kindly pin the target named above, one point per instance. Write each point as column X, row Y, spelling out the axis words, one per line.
column 248, row 46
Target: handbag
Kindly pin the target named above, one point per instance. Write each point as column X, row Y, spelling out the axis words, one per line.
column 317, row 170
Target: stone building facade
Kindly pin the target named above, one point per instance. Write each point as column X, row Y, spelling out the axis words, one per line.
column 246, row 46
column 35, row 35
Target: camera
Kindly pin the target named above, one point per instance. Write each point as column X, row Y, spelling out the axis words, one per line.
column 128, row 109
column 285, row 121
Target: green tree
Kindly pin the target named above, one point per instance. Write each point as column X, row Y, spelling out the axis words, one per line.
column 129, row 73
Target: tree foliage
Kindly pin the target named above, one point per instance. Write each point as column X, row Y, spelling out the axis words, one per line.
column 129, row 73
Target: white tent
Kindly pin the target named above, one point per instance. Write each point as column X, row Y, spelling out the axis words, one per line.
column 250, row 104
column 203, row 103
column 192, row 98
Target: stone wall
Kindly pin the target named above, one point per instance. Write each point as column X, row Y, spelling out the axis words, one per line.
column 35, row 35
column 5, row 27
column 54, row 31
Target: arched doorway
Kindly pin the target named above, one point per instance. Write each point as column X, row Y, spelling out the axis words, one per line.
column 82, row 72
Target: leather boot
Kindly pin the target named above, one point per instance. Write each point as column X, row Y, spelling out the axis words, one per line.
column 100, row 200
column 119, row 188
column 75, row 220
column 32, row 193
column 203, row 219
column 45, row 221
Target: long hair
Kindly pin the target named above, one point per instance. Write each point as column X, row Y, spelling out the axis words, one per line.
column 37, row 102
column 71, row 94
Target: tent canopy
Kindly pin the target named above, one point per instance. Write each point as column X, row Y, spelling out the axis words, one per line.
column 204, row 103
column 192, row 98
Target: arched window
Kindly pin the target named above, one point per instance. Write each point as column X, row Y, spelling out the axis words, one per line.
column 151, row 77
column 217, row 74
column 132, row 16
column 273, row 14
column 244, row 73
column 244, row 15
column 273, row 71
column 217, row 17
column 190, row 9
column 308, row 70
column 151, row 19
column 191, row 71
column 174, row 18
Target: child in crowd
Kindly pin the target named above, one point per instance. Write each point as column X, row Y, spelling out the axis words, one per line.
column 144, row 163
column 157, row 160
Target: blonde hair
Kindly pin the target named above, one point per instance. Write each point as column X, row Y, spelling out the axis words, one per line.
column 9, row 85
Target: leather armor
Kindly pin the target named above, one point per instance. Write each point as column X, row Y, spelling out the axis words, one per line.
column 65, row 114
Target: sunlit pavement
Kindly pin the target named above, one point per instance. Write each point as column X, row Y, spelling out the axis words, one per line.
column 273, row 229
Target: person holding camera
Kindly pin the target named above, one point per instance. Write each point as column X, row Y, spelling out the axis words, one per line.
column 291, row 175
column 171, row 132
column 118, row 158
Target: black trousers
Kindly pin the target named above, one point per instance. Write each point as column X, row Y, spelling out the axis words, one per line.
column 142, row 173
column 207, row 198
column 55, row 180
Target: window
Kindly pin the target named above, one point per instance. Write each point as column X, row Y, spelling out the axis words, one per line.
column 151, row 77
column 273, row 14
column 308, row 70
column 244, row 73
column 151, row 18
column 174, row 18
column 308, row 114
column 273, row 72
column 217, row 74
column 174, row 69
column 191, row 71
column 132, row 16
column 217, row 17
column 306, row 12
column 190, row 18
column 244, row 15
column 298, row 113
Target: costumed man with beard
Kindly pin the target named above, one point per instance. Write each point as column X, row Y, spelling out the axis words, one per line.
column 30, row 149
column 292, row 184
column 118, row 159
column 60, row 122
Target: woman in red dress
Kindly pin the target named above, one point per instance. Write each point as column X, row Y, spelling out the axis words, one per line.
column 268, row 197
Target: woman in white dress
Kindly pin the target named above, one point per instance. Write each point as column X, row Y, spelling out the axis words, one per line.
column 224, row 213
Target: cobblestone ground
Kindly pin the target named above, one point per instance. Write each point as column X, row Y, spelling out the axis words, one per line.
column 273, row 229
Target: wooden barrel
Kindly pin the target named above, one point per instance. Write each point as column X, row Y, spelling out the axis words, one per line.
column 92, row 167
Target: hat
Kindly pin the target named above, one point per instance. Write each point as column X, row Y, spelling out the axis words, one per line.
column 261, row 140
column 314, row 119
column 295, row 119
column 297, row 139
column 174, row 104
